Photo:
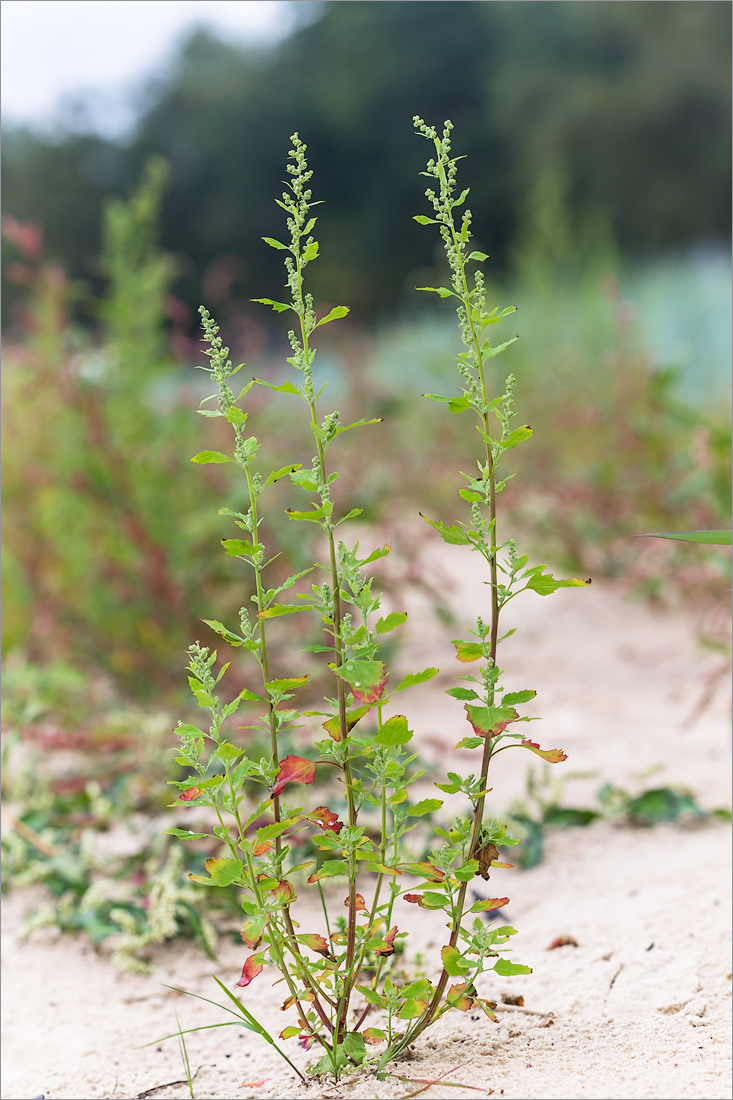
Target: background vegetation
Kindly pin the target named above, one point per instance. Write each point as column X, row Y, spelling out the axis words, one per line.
column 631, row 101
column 601, row 137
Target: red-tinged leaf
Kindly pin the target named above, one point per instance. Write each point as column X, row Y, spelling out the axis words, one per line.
column 252, row 967
column 329, row 869
column 458, row 998
column 562, row 941
column 490, row 721
column 365, row 678
column 388, row 948
column 333, row 726
column 553, row 756
column 427, row 871
column 293, row 769
column 415, row 899
column 287, row 1003
column 374, row 1035
column 488, row 905
column 260, row 849
column 255, row 1084
column 488, row 1007
column 190, row 794
column 360, row 904
column 253, row 930
column 289, row 1032
column 283, row 893
column 315, row 943
column 327, row 819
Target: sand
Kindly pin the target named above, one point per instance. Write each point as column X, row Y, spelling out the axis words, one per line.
column 639, row 1008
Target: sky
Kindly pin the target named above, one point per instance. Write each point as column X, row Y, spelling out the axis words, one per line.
column 106, row 49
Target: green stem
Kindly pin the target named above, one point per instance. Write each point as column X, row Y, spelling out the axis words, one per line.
column 431, row 1011
column 291, row 940
column 341, row 688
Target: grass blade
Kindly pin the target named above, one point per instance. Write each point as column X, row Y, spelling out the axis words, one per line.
column 255, row 1025
column 711, row 538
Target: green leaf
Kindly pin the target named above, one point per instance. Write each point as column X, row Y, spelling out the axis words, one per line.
column 278, row 609
column 455, row 964
column 424, row 220
column 480, row 257
column 544, row 584
column 224, row 632
column 284, row 387
column 371, row 996
column 467, row 651
column 467, row 872
column 275, row 829
column 455, row 535
column 227, row 751
column 240, row 548
column 310, row 252
column 464, row 694
column 469, row 743
column 185, row 729
column 331, row 868
column 186, row 834
column 312, row 517
column 441, row 290
column 277, row 474
column 426, row 806
column 515, row 437
column 511, row 700
column 394, row 732
column 455, row 404
column 357, row 424
column 412, row 1008
column 412, row 679
column 273, row 244
column 491, row 352
column 334, row 315
column 711, row 538
column 224, row 871
column 506, row 969
column 210, row 456
column 395, row 618
column 236, row 416
column 287, row 684
column 381, row 552
column 354, row 1047
column 279, row 307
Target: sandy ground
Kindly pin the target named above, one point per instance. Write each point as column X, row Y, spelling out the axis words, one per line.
column 639, row 1008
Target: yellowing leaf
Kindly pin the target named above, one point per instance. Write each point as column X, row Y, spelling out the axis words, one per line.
column 553, row 756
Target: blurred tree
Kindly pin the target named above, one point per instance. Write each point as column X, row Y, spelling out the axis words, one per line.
column 629, row 102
